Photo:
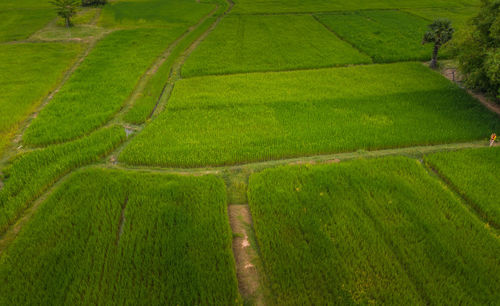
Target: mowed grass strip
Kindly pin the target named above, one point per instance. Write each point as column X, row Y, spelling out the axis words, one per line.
column 387, row 36
column 32, row 173
column 221, row 120
column 370, row 231
column 28, row 73
column 295, row 6
column 100, row 86
column 475, row 174
column 249, row 43
column 153, row 13
column 114, row 238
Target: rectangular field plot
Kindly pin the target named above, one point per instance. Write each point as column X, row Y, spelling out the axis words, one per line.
column 475, row 174
column 144, row 13
column 370, row 232
column 387, row 36
column 458, row 16
column 115, row 238
column 28, row 73
column 221, row 120
column 293, row 6
column 264, row 43
column 21, row 18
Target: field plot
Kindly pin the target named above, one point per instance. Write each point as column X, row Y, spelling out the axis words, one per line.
column 100, row 86
column 262, row 43
column 28, row 73
column 370, row 232
column 220, row 120
column 134, row 13
column 21, row 18
column 458, row 16
column 387, row 36
column 281, row 6
column 114, row 238
column 32, row 173
column 475, row 174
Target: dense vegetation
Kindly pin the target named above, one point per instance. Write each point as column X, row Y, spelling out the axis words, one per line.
column 116, row 238
column 260, row 43
column 21, row 18
column 474, row 173
column 387, row 36
column 24, row 86
column 32, row 173
column 220, row 120
column 479, row 50
column 380, row 231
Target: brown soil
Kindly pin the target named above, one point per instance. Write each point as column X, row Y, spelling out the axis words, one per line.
column 245, row 254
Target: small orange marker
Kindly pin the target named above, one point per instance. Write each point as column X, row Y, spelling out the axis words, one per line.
column 492, row 139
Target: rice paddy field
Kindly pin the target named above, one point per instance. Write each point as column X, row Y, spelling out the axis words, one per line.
column 244, row 152
column 380, row 231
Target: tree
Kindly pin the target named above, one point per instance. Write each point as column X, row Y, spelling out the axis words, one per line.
column 440, row 32
column 66, row 9
column 479, row 50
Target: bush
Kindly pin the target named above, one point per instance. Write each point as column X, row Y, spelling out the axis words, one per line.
column 478, row 50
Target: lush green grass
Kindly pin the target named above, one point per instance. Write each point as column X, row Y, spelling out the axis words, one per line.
column 476, row 175
column 21, row 18
column 28, row 73
column 458, row 16
column 114, row 238
column 387, row 36
column 220, row 120
column 262, row 43
column 378, row 231
column 31, row 174
column 276, row 6
column 146, row 13
column 100, row 86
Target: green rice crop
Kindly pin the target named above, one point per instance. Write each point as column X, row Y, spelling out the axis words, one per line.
column 114, row 238
column 458, row 16
column 145, row 104
column 220, row 120
column 28, row 73
column 370, row 232
column 293, row 6
column 21, row 18
column 100, row 86
column 245, row 43
column 387, row 36
column 475, row 175
column 153, row 13
column 32, row 173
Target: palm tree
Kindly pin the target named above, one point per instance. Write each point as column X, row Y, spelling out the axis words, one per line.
column 440, row 32
column 66, row 9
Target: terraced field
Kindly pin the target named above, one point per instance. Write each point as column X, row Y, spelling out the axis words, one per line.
column 163, row 151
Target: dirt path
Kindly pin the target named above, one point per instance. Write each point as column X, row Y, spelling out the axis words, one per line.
column 245, row 254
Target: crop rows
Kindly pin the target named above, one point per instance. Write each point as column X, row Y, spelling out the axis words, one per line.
column 32, row 173
column 474, row 173
column 263, row 43
column 370, row 231
column 115, row 238
column 233, row 119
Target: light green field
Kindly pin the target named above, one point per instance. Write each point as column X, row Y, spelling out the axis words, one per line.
column 28, row 73
column 387, row 36
column 370, row 232
column 114, row 238
column 475, row 174
column 263, row 43
column 458, row 16
column 153, row 13
column 100, row 86
column 222, row 120
column 32, row 173
column 277, row 6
